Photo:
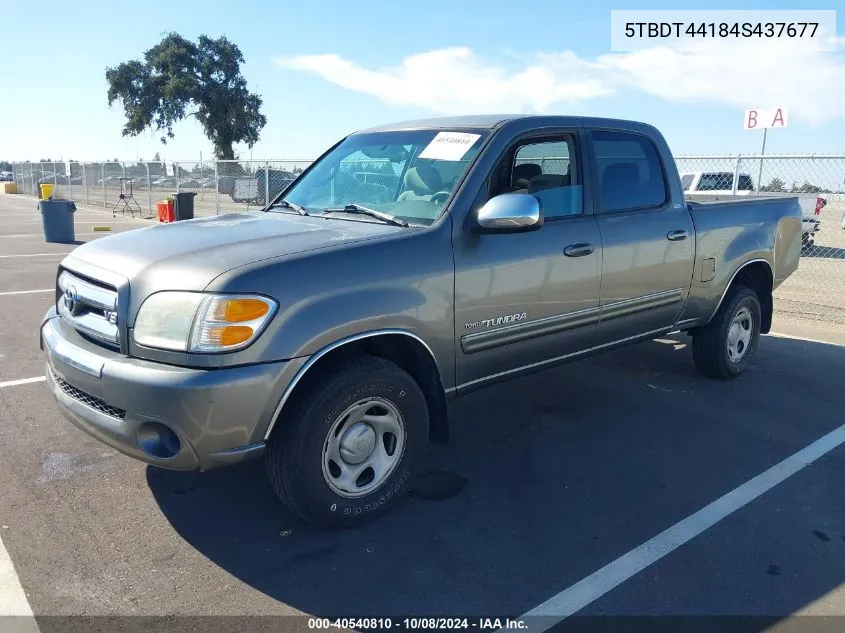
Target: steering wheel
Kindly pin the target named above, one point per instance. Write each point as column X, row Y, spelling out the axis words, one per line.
column 444, row 195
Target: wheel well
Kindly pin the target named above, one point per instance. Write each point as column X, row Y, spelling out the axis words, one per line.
column 758, row 277
column 407, row 353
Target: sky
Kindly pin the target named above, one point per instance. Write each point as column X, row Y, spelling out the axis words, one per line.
column 325, row 69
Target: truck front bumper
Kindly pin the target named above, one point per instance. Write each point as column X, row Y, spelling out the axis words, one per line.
column 172, row 417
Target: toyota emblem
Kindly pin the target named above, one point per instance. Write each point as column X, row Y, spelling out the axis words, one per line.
column 70, row 300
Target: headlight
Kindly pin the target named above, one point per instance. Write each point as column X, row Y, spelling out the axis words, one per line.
column 198, row 322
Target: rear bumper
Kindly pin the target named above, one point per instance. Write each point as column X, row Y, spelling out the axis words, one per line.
column 172, row 417
column 809, row 227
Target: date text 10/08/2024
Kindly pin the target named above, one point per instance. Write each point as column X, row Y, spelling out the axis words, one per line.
column 418, row 623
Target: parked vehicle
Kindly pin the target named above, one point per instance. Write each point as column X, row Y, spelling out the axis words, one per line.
column 718, row 185
column 328, row 331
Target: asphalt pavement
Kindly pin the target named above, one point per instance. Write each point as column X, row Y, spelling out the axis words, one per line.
column 548, row 481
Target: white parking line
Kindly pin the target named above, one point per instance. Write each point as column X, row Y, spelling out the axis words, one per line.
column 594, row 586
column 34, row 255
column 24, row 292
column 13, row 600
column 22, row 381
column 42, row 235
column 803, row 338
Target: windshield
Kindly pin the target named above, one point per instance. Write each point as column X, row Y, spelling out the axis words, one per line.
column 408, row 174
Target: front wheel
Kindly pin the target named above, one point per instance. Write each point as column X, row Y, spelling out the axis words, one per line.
column 346, row 450
column 724, row 348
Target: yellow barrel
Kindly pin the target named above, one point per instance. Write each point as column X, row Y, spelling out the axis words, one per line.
column 46, row 191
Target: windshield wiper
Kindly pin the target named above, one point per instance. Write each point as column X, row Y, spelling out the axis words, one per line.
column 289, row 205
column 379, row 215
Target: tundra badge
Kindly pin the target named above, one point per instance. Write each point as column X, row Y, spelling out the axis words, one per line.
column 502, row 320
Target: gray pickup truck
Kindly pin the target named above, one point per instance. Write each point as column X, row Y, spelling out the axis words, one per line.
column 410, row 264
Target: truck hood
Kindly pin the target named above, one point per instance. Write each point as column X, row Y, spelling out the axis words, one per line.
column 189, row 254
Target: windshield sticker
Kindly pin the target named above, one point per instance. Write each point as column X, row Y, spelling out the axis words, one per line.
column 449, row 146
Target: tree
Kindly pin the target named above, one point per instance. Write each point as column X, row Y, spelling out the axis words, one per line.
column 178, row 74
column 5, row 165
column 776, row 184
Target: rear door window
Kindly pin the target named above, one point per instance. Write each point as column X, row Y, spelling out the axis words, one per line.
column 630, row 174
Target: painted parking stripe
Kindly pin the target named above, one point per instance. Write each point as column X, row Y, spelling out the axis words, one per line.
column 34, row 255
column 22, row 381
column 25, row 292
column 42, row 235
column 803, row 338
column 587, row 590
column 13, row 600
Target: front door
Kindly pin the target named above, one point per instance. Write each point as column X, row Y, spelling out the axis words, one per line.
column 524, row 300
column 648, row 239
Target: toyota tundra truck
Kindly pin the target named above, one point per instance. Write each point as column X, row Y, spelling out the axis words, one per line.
column 329, row 331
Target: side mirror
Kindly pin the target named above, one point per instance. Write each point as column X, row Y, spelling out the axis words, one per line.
column 509, row 213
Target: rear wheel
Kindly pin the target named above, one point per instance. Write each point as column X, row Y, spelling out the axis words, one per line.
column 346, row 450
column 725, row 347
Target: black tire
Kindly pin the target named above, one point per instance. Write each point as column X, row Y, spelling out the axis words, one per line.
column 294, row 454
column 710, row 343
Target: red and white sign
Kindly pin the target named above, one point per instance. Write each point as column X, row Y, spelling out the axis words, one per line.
column 758, row 119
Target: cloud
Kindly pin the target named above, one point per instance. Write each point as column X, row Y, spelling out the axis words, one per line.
column 457, row 80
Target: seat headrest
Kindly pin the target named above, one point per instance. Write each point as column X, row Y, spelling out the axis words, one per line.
column 423, row 179
column 524, row 172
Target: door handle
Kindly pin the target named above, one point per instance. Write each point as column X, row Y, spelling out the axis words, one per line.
column 677, row 235
column 578, row 250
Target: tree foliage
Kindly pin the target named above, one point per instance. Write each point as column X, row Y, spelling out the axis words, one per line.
column 179, row 78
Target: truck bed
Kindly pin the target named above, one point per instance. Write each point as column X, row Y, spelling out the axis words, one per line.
column 731, row 233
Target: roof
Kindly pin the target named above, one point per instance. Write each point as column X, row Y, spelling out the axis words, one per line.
column 490, row 121
column 479, row 121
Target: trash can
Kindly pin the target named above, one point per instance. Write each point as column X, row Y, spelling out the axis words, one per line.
column 164, row 209
column 46, row 191
column 57, row 220
column 184, row 207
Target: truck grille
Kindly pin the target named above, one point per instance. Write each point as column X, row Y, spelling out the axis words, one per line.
column 87, row 399
column 89, row 307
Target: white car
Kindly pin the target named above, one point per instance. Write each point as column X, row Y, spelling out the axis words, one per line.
column 718, row 185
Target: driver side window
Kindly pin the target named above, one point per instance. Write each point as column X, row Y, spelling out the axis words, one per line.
column 548, row 171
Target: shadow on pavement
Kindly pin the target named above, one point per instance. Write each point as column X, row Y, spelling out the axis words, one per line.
column 547, row 479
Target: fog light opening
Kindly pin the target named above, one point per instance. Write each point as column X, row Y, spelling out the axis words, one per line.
column 158, row 441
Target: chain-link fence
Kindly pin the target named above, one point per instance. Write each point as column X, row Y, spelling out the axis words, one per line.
column 134, row 187
column 816, row 290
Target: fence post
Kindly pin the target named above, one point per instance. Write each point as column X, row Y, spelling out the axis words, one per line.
column 85, row 181
column 149, row 190
column 216, row 190
column 736, row 174
column 105, row 196
column 55, row 179
column 266, row 183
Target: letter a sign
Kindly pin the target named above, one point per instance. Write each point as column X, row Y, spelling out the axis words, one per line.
column 761, row 119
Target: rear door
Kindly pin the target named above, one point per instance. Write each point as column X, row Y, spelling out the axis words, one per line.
column 648, row 239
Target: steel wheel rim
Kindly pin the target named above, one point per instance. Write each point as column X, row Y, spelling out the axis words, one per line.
column 739, row 335
column 363, row 447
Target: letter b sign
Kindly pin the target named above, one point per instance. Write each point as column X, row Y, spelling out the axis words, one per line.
column 759, row 119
